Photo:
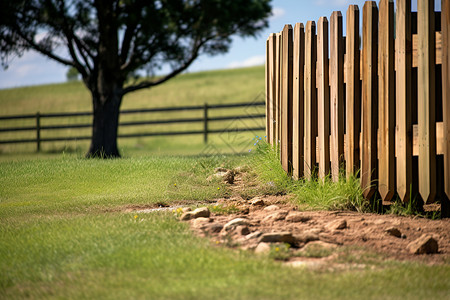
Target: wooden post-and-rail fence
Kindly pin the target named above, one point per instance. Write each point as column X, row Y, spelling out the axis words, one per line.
column 378, row 105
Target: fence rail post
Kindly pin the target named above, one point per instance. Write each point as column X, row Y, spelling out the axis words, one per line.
column 38, row 132
column 205, row 123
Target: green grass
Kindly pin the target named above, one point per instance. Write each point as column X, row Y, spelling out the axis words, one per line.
column 345, row 194
column 64, row 234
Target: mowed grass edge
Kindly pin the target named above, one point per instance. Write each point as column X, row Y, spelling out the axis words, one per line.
column 66, row 234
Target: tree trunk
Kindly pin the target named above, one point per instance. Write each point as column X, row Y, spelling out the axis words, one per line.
column 105, row 126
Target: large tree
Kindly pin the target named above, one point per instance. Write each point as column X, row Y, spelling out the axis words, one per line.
column 109, row 40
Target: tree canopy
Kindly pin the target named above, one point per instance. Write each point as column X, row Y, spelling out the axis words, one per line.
column 107, row 40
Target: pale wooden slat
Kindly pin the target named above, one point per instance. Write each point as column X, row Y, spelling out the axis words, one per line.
column 267, row 81
column 386, row 116
column 369, row 108
column 336, row 94
column 353, row 91
column 272, row 89
column 445, row 27
column 298, row 101
column 277, row 88
column 426, row 99
column 310, row 99
column 286, row 99
column 323, row 97
column 403, row 56
column 439, row 46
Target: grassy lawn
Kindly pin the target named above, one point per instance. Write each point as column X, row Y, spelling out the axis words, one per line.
column 65, row 234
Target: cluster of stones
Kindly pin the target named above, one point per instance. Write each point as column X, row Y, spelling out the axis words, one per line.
column 244, row 231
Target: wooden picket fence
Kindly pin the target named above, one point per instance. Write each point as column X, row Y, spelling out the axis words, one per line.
column 378, row 105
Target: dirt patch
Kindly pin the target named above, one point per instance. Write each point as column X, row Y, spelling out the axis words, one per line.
column 272, row 225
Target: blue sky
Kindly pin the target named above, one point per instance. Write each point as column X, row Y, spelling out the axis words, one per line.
column 32, row 68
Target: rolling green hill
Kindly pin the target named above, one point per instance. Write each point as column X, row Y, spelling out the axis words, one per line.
column 212, row 87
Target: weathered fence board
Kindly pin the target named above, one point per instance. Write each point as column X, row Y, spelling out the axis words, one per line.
column 323, row 98
column 386, row 102
column 310, row 99
column 286, row 98
column 336, row 94
column 403, row 56
column 353, row 91
column 426, row 99
column 272, row 89
column 298, row 101
column 369, row 108
column 445, row 27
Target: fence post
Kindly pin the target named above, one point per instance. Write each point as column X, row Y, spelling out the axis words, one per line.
column 38, row 132
column 205, row 123
column 445, row 21
column 286, row 99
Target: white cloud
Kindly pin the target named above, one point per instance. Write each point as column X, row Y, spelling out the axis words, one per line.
column 277, row 12
column 256, row 60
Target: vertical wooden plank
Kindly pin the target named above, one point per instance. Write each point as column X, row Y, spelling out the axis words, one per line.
column 386, row 116
column 323, row 98
column 445, row 30
column 310, row 99
column 277, row 89
column 298, row 101
column 286, row 100
column 267, row 93
column 426, row 99
column 403, row 57
column 369, row 108
column 336, row 94
column 353, row 91
column 272, row 89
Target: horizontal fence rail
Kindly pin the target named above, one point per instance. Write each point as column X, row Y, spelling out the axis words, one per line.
column 205, row 121
column 375, row 102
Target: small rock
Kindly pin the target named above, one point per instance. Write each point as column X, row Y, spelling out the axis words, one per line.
column 276, row 216
column 213, row 228
column 244, row 210
column 272, row 207
column 336, row 225
column 242, row 230
column 186, row 216
column 296, row 217
column 394, row 231
column 200, row 222
column 201, row 212
column 319, row 244
column 262, row 248
column 307, row 236
column 257, row 202
column 278, row 237
column 227, row 176
column 186, row 209
column 423, row 245
column 253, row 235
column 234, row 223
column 403, row 236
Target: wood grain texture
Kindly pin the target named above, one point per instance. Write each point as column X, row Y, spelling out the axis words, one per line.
column 286, row 99
column 369, row 108
column 277, row 89
column 445, row 29
column 310, row 99
column 353, row 91
column 426, row 99
column 336, row 94
column 298, row 101
column 272, row 89
column 267, row 84
column 386, row 113
column 403, row 56
column 323, row 98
